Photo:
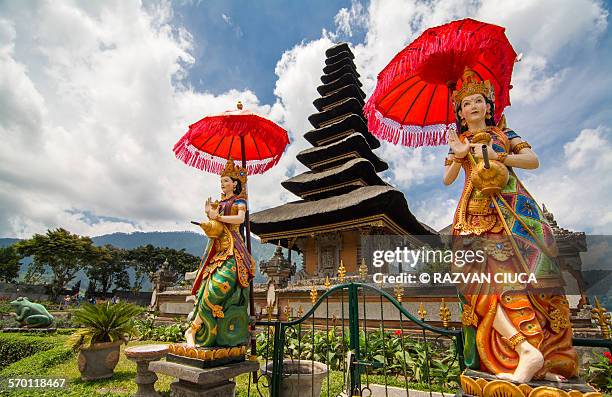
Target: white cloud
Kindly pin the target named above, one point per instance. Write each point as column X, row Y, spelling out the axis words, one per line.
column 348, row 19
column 576, row 188
column 226, row 19
column 93, row 98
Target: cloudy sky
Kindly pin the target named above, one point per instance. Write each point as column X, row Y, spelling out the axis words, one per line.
column 93, row 95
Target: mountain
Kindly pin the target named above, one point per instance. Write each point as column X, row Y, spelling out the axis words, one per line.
column 191, row 242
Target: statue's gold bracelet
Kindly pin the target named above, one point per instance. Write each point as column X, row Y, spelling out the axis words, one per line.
column 520, row 146
column 458, row 160
column 501, row 157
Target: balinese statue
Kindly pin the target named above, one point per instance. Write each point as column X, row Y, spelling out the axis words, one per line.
column 221, row 285
column 517, row 331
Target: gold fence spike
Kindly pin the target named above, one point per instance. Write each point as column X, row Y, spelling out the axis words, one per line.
column 422, row 312
column 313, row 294
column 300, row 311
column 341, row 272
column 445, row 314
column 363, row 269
column 602, row 317
column 399, row 293
column 327, row 282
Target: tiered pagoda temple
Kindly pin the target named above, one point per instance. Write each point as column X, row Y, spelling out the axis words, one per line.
column 342, row 195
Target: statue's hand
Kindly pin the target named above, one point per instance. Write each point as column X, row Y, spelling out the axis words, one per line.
column 213, row 214
column 207, row 206
column 478, row 152
column 460, row 149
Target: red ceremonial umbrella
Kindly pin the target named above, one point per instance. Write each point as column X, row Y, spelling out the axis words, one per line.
column 413, row 95
column 242, row 135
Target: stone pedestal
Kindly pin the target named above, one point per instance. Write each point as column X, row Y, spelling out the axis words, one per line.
column 209, row 382
column 142, row 356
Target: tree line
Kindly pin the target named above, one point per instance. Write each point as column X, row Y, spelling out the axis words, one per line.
column 65, row 253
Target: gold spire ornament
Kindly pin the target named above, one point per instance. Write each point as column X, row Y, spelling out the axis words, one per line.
column 300, row 311
column 327, row 282
column 341, row 272
column 288, row 312
column 363, row 269
column 237, row 173
column 399, row 293
column 601, row 315
column 445, row 314
column 422, row 312
column 313, row 294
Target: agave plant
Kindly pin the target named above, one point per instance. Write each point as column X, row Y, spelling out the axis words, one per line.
column 105, row 322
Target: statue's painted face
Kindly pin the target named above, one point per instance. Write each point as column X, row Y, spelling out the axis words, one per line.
column 228, row 185
column 474, row 108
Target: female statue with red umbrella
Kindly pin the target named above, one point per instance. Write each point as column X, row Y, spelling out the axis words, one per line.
column 451, row 85
column 219, row 323
column 513, row 331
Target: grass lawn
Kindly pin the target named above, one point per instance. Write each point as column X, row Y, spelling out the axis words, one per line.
column 61, row 362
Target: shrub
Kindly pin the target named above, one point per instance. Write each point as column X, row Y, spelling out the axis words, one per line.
column 147, row 330
column 14, row 347
column 599, row 373
column 105, row 322
column 38, row 363
column 390, row 353
column 5, row 306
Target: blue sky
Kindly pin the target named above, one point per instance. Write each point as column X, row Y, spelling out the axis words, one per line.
column 239, row 43
column 93, row 95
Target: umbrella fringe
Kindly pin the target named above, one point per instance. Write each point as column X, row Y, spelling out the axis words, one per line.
column 193, row 157
column 408, row 135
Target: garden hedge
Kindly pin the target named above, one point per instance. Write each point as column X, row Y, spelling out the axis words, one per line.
column 14, row 347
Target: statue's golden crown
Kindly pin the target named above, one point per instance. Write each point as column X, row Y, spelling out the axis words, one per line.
column 470, row 85
column 235, row 172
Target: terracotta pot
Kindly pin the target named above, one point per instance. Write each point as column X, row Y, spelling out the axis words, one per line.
column 99, row 360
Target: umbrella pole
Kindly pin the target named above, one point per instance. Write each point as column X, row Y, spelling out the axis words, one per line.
column 248, row 244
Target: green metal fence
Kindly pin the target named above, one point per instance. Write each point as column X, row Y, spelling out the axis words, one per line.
column 361, row 353
column 369, row 353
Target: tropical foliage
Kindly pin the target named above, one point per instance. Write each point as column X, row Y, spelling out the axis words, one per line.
column 63, row 252
column 9, row 264
column 599, row 372
column 390, row 353
column 148, row 330
column 107, row 268
column 105, row 322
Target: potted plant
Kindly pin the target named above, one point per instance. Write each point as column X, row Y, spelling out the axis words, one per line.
column 104, row 328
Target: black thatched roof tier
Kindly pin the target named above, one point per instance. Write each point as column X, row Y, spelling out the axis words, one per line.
column 339, row 110
column 329, row 69
column 334, row 154
column 335, row 181
column 336, row 49
column 328, row 78
column 348, row 91
column 339, row 56
column 340, row 129
column 346, row 79
column 370, row 202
